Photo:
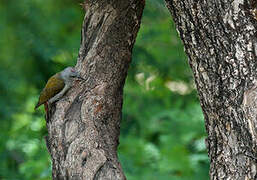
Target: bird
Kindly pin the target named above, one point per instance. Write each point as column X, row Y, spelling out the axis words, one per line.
column 56, row 87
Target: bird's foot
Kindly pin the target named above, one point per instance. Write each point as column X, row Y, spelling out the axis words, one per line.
column 51, row 101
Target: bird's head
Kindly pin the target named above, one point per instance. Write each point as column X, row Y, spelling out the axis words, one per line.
column 69, row 73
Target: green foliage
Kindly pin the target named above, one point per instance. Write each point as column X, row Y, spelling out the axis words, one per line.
column 162, row 132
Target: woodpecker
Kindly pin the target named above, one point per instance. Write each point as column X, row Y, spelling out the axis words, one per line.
column 56, row 87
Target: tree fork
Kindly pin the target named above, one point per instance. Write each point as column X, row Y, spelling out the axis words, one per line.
column 84, row 126
column 220, row 41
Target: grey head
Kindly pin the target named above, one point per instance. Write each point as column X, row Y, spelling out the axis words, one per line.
column 69, row 73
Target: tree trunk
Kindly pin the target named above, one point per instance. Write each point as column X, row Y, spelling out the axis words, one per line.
column 220, row 40
column 84, row 126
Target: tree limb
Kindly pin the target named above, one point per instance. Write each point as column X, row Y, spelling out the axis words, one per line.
column 85, row 125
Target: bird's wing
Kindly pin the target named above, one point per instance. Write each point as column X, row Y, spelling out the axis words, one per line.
column 53, row 86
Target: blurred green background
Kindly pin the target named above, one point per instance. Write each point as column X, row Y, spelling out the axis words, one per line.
column 162, row 132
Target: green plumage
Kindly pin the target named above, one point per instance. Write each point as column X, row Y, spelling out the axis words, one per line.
column 53, row 86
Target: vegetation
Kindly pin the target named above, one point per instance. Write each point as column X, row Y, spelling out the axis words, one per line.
column 162, row 132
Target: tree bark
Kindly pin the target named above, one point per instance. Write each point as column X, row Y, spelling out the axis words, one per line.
column 220, row 41
column 84, row 126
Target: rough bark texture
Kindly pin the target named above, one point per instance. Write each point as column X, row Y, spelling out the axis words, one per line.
column 84, row 125
column 220, row 40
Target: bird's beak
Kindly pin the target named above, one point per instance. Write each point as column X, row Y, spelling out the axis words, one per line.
column 77, row 75
column 81, row 78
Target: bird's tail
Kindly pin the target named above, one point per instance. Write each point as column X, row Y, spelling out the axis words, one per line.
column 38, row 104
